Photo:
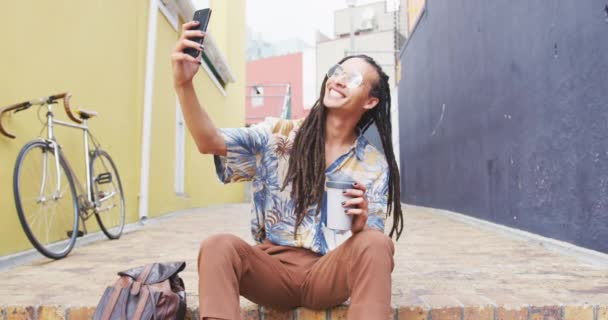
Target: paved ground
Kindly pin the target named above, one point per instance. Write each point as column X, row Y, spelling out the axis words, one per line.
column 440, row 262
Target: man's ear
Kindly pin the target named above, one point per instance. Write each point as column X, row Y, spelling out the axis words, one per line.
column 371, row 103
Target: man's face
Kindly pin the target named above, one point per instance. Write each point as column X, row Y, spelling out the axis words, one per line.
column 348, row 86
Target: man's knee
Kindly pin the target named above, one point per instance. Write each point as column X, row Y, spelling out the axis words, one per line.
column 373, row 243
column 219, row 244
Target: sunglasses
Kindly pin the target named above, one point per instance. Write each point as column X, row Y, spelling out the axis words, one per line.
column 351, row 79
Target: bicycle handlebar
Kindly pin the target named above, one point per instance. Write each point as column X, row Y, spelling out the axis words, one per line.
column 68, row 109
column 38, row 102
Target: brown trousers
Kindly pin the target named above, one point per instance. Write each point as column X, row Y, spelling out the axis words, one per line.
column 283, row 277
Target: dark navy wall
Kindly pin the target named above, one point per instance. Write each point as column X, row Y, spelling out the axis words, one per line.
column 504, row 114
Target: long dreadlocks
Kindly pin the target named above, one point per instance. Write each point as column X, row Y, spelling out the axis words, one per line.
column 306, row 169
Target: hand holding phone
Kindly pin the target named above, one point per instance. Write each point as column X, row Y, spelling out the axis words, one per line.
column 202, row 16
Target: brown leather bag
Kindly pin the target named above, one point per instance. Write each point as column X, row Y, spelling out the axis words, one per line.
column 153, row 291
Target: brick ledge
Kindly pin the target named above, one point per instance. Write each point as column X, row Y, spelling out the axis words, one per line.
column 252, row 312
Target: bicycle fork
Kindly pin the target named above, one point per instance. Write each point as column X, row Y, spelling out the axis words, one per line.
column 52, row 145
column 55, row 195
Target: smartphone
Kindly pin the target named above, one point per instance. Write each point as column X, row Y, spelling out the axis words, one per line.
column 202, row 16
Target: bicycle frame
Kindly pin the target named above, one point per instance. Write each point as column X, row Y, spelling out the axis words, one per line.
column 51, row 122
column 91, row 203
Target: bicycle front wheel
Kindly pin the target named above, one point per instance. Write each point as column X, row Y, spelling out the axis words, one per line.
column 46, row 199
column 107, row 193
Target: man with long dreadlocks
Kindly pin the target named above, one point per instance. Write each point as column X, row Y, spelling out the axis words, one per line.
column 297, row 260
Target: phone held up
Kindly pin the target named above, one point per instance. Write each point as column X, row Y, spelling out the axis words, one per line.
column 202, row 16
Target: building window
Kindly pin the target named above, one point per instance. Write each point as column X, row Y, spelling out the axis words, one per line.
column 180, row 150
column 257, row 96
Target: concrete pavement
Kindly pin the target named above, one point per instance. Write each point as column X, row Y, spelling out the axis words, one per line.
column 445, row 269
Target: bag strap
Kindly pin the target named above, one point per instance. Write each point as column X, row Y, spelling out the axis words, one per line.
column 141, row 279
column 118, row 286
column 141, row 305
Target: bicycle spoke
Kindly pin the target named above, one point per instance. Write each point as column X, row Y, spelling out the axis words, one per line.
column 37, row 218
column 48, row 224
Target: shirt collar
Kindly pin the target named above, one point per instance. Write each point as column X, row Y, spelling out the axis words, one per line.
column 359, row 146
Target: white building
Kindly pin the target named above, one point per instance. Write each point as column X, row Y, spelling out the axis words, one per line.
column 260, row 48
column 376, row 33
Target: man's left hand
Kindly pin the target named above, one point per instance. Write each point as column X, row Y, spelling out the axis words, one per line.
column 356, row 207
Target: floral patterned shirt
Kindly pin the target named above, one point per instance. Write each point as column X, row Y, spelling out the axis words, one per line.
column 260, row 154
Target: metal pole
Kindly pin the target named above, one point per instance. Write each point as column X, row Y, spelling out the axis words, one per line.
column 352, row 31
column 285, row 112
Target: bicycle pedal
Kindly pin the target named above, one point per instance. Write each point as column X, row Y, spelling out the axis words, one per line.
column 104, row 178
column 78, row 235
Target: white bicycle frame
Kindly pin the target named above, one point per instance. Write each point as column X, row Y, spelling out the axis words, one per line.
column 51, row 122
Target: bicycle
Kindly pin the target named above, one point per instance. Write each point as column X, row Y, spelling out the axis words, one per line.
column 49, row 198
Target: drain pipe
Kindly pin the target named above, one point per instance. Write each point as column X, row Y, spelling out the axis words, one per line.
column 147, row 115
column 395, row 127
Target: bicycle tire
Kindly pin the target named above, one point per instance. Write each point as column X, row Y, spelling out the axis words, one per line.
column 51, row 248
column 111, row 228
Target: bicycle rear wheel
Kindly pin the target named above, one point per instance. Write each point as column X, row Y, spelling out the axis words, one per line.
column 48, row 215
column 108, row 195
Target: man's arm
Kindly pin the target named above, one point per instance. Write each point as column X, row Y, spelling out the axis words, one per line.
column 206, row 136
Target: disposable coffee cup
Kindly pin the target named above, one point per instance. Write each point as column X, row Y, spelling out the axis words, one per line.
column 337, row 219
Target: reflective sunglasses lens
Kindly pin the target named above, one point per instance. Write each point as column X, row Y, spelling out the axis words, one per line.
column 333, row 70
column 354, row 80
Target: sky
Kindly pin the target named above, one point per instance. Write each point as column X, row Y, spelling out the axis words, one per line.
column 283, row 19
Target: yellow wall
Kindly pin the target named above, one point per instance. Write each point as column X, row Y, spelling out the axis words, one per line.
column 414, row 11
column 161, row 194
column 201, row 184
column 96, row 50
column 227, row 26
